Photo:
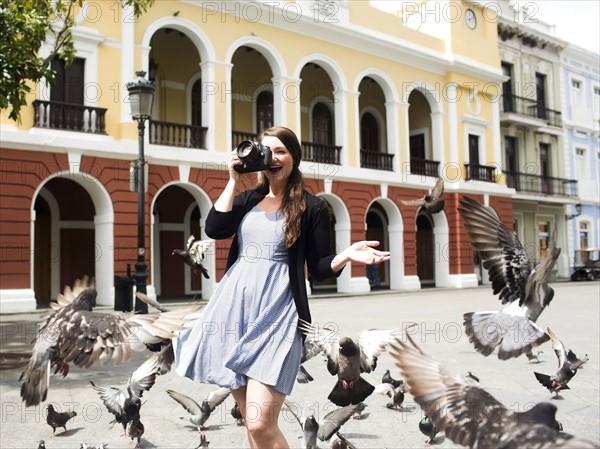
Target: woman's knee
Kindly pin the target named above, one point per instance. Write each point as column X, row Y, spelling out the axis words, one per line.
column 260, row 428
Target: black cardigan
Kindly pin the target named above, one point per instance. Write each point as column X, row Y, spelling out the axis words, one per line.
column 313, row 245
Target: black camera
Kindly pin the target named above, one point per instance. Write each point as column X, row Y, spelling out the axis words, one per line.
column 255, row 157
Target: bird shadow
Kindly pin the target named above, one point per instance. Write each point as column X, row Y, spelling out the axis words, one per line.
column 558, row 397
column 439, row 439
column 69, row 432
column 146, row 444
column 206, row 428
column 366, row 436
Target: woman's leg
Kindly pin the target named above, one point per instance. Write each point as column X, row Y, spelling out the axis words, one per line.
column 240, row 397
column 261, row 406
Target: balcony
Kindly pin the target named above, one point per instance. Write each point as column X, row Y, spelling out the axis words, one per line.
column 477, row 172
column 322, row 153
column 376, row 160
column 69, row 117
column 177, row 134
column 544, row 185
column 526, row 111
column 424, row 167
column 240, row 136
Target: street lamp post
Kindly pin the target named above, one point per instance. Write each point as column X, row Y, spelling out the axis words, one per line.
column 141, row 95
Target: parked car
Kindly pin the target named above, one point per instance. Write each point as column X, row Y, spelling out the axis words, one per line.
column 587, row 265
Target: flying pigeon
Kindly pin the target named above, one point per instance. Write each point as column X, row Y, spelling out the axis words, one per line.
column 135, row 430
column 427, row 428
column 58, row 419
column 534, row 357
column 568, row 364
column 348, row 359
column 194, row 255
column 395, row 394
column 431, row 202
column 309, row 350
column 199, row 413
column 387, row 379
column 324, row 429
column 75, row 333
column 340, row 442
column 525, row 290
column 126, row 405
column 469, row 415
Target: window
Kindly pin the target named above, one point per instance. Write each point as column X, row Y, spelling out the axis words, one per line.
column 581, row 163
column 543, row 238
column 540, row 88
column 264, row 111
column 510, row 152
column 369, row 132
column 322, row 125
column 596, row 90
column 507, row 90
column 67, row 89
column 473, row 149
column 584, row 234
column 575, row 84
column 545, row 166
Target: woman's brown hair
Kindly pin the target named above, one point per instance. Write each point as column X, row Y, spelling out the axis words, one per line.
column 293, row 203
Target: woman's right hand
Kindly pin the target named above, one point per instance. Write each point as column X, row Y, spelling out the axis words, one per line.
column 233, row 161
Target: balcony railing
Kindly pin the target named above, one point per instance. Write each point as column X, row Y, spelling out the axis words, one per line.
column 240, row 136
column 424, row 167
column 477, row 172
column 376, row 160
column 545, row 185
column 69, row 117
column 324, row 154
column 177, row 134
column 530, row 108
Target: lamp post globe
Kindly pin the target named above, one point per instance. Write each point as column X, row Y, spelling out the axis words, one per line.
column 141, row 97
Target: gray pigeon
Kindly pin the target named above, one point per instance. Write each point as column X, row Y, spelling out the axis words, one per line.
column 125, row 406
column 387, row 378
column 323, row 430
column 395, row 394
column 199, row 413
column 42, row 445
column 533, row 356
column 348, row 359
column 135, row 430
column 86, row 446
column 194, row 255
column 340, row 442
column 469, row 415
column 431, row 202
column 568, row 364
column 523, row 289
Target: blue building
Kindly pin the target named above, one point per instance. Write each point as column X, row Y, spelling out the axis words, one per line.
column 581, row 100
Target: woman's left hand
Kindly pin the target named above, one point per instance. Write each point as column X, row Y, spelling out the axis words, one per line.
column 362, row 252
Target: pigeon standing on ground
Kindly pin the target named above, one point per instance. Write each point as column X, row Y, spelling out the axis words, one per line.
column 427, row 428
column 58, row 419
column 472, row 417
column 431, row 202
column 525, row 290
column 42, row 445
column 388, row 379
column 568, row 364
column 86, row 446
column 360, row 408
column 194, row 255
column 126, row 406
column 348, row 359
column 323, row 430
column 237, row 414
column 75, row 333
column 395, row 394
column 340, row 442
column 199, row 413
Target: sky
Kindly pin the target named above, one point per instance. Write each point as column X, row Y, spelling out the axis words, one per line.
column 576, row 21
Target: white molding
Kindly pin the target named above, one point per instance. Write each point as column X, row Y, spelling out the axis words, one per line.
column 17, row 301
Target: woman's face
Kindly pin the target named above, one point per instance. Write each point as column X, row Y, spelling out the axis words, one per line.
column 283, row 162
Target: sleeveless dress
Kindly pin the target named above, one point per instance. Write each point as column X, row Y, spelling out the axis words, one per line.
column 249, row 328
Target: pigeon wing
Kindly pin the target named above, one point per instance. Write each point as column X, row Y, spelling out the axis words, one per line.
column 190, row 406
column 417, row 202
column 328, row 339
column 310, row 349
column 334, row 420
column 113, row 398
column 385, row 389
column 144, row 377
column 372, row 343
column 296, row 412
column 151, row 302
column 437, row 191
column 216, row 397
column 502, row 253
column 559, row 348
column 539, row 278
column 198, row 250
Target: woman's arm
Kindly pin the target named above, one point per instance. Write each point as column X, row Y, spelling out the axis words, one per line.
column 361, row 252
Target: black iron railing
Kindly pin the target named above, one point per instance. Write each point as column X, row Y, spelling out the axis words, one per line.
column 545, row 185
column 69, row 117
column 424, row 167
column 177, row 134
column 530, row 107
column 477, row 172
column 376, row 160
column 322, row 153
column 240, row 136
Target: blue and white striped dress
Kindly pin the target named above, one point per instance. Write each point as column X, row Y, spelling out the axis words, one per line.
column 249, row 328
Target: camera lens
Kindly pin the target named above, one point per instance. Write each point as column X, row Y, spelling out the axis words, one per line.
column 244, row 149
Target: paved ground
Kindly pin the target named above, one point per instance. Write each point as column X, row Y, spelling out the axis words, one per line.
column 573, row 315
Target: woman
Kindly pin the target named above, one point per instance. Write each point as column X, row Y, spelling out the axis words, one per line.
column 247, row 338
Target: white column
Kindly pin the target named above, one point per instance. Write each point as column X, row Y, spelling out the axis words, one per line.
column 406, row 138
column 211, row 90
column 127, row 60
column 286, row 90
column 343, row 136
column 496, row 144
column 452, row 128
column 105, row 263
column 392, row 131
column 437, row 137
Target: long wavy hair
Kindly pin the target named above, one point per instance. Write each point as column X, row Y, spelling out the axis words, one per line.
column 293, row 203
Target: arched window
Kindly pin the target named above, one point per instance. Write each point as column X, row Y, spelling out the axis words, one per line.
column 322, row 125
column 369, row 132
column 264, row 111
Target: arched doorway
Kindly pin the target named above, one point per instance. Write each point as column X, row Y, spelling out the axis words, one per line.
column 425, row 250
column 377, row 229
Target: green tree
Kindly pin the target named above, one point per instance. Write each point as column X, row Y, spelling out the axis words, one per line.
column 24, row 26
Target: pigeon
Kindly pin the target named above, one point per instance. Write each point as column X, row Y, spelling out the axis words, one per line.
column 42, row 445
column 533, row 357
column 348, row 359
column 469, row 415
column 431, row 203
column 194, row 255
column 522, row 289
column 324, row 429
column 135, row 430
column 568, row 364
column 203, row 442
column 126, row 405
column 472, row 376
column 427, row 428
column 360, row 407
column 86, row 446
column 237, row 414
column 75, row 333
column 387, row 379
column 395, row 394
column 340, row 442
column 199, row 413
column 58, row 419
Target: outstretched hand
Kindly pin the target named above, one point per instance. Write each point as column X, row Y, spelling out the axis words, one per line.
column 362, row 252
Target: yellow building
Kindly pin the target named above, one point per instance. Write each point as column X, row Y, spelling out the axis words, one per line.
column 383, row 102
